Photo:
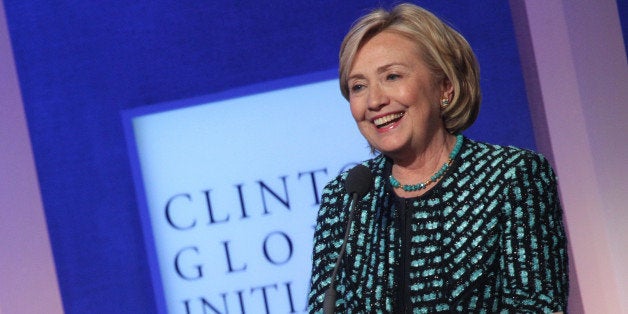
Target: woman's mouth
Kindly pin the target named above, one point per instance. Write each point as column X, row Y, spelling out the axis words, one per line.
column 387, row 119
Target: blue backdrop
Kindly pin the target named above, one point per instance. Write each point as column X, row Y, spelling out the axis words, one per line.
column 81, row 63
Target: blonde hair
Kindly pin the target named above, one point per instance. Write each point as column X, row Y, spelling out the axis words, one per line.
column 444, row 50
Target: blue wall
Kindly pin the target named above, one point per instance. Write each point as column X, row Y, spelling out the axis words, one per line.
column 80, row 63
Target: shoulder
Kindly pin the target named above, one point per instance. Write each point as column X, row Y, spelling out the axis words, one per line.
column 334, row 197
column 375, row 164
column 521, row 177
column 506, row 154
column 511, row 162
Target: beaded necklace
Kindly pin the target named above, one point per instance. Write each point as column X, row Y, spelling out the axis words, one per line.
column 435, row 176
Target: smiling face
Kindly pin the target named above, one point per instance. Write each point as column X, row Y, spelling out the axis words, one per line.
column 394, row 97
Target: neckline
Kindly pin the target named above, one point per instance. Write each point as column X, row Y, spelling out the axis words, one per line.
column 453, row 168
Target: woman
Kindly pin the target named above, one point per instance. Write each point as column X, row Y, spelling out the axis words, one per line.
column 449, row 224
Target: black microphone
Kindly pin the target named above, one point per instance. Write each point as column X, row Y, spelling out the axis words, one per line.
column 358, row 183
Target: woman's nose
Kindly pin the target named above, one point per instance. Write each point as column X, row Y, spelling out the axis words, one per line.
column 377, row 97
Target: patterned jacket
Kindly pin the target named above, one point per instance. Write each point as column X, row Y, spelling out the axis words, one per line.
column 488, row 237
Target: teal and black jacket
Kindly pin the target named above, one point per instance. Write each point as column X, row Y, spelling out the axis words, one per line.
column 488, row 237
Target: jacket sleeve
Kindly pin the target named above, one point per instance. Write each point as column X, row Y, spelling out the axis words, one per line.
column 327, row 241
column 534, row 252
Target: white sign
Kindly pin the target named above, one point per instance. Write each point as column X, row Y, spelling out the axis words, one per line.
column 231, row 190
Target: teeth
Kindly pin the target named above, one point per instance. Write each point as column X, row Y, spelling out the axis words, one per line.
column 386, row 119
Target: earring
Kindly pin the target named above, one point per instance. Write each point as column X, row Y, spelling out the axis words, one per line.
column 444, row 103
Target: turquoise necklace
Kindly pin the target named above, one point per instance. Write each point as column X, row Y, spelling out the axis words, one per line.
column 435, row 176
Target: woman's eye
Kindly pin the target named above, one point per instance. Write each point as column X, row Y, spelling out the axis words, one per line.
column 392, row 77
column 357, row 87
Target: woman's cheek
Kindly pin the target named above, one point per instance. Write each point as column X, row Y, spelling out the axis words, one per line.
column 356, row 112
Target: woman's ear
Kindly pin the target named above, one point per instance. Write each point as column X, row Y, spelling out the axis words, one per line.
column 447, row 89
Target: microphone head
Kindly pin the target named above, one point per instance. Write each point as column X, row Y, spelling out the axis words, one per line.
column 359, row 180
